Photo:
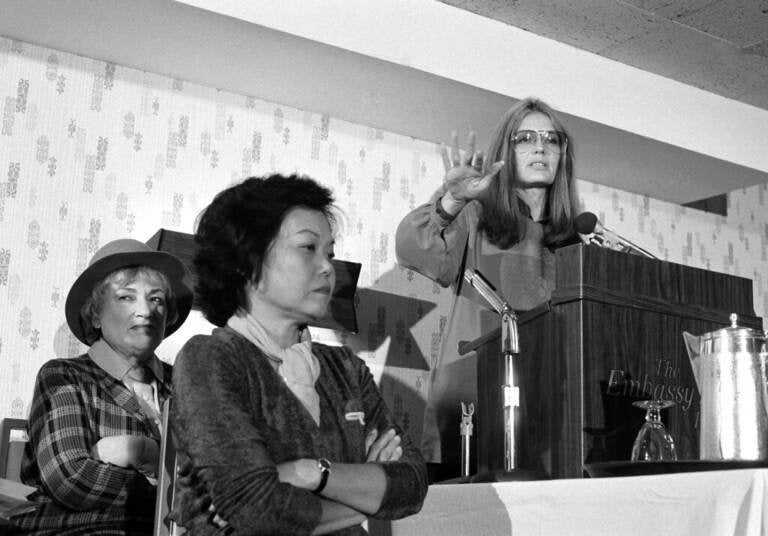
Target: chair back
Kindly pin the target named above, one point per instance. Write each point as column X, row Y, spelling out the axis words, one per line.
column 13, row 438
column 166, row 473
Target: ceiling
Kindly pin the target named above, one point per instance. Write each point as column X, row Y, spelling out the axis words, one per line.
column 647, row 117
column 720, row 46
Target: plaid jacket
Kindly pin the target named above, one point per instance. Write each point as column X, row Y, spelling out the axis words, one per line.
column 75, row 404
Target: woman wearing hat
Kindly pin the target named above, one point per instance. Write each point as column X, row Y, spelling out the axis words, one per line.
column 94, row 421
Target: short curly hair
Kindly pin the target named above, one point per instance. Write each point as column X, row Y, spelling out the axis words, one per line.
column 235, row 231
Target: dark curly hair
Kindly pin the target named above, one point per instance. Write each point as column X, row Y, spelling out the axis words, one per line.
column 235, row 231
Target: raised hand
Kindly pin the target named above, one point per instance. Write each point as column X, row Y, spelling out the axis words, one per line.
column 464, row 179
column 135, row 451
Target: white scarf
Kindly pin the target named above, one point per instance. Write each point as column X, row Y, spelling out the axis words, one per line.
column 298, row 367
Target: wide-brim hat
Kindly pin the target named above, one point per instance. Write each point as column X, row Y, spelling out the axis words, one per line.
column 124, row 253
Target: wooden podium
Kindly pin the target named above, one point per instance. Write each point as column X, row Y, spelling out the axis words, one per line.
column 611, row 335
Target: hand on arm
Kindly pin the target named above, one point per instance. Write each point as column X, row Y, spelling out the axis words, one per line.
column 464, row 180
column 60, row 425
column 304, row 473
column 392, row 482
column 358, row 486
column 139, row 452
column 385, row 448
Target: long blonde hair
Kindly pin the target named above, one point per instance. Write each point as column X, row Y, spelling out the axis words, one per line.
column 504, row 216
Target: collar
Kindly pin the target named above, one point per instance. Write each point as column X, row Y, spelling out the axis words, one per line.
column 249, row 327
column 298, row 366
column 116, row 366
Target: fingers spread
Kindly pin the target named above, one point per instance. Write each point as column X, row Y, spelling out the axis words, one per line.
column 496, row 167
column 446, row 159
column 455, row 148
column 470, row 154
column 477, row 160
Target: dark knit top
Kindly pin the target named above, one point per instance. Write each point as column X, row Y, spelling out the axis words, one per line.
column 235, row 418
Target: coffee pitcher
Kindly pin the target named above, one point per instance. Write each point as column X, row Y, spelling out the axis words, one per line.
column 729, row 366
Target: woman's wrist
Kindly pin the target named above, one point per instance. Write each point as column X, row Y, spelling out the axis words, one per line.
column 448, row 206
column 303, row 473
column 324, row 466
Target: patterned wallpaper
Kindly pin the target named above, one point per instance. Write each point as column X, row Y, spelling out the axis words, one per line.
column 91, row 151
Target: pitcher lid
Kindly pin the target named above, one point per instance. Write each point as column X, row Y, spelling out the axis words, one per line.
column 742, row 337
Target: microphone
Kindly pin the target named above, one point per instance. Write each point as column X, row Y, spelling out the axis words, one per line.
column 591, row 231
column 485, row 289
column 510, row 340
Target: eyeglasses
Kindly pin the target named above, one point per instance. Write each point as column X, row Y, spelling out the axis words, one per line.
column 526, row 140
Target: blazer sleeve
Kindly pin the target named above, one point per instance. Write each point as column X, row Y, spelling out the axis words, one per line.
column 433, row 245
column 61, row 438
column 406, row 478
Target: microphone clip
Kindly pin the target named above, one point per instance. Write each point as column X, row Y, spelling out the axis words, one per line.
column 591, row 231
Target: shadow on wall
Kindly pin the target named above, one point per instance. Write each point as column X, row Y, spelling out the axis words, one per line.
column 384, row 315
column 387, row 324
column 411, row 326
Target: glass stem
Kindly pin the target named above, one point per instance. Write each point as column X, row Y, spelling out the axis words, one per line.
column 653, row 415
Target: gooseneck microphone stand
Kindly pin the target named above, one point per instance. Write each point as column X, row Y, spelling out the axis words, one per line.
column 510, row 347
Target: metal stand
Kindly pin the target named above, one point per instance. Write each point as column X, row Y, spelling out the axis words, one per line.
column 466, row 434
column 510, row 346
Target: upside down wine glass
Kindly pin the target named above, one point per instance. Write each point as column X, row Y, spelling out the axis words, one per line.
column 653, row 442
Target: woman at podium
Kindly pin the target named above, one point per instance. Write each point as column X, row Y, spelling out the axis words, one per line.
column 501, row 214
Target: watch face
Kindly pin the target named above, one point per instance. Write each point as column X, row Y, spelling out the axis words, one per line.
column 324, row 465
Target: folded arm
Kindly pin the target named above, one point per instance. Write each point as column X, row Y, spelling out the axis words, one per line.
column 230, row 447
column 62, row 437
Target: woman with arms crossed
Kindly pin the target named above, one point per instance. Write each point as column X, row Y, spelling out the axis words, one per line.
column 94, row 423
column 286, row 436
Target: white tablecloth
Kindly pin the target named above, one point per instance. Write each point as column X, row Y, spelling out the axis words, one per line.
column 714, row 503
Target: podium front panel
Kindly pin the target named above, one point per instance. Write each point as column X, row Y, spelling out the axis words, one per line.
column 596, row 351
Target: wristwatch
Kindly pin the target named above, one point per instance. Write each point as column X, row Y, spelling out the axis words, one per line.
column 325, row 469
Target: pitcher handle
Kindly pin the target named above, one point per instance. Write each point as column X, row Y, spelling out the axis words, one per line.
column 692, row 346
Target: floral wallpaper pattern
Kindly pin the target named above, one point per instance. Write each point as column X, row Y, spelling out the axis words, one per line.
column 92, row 151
